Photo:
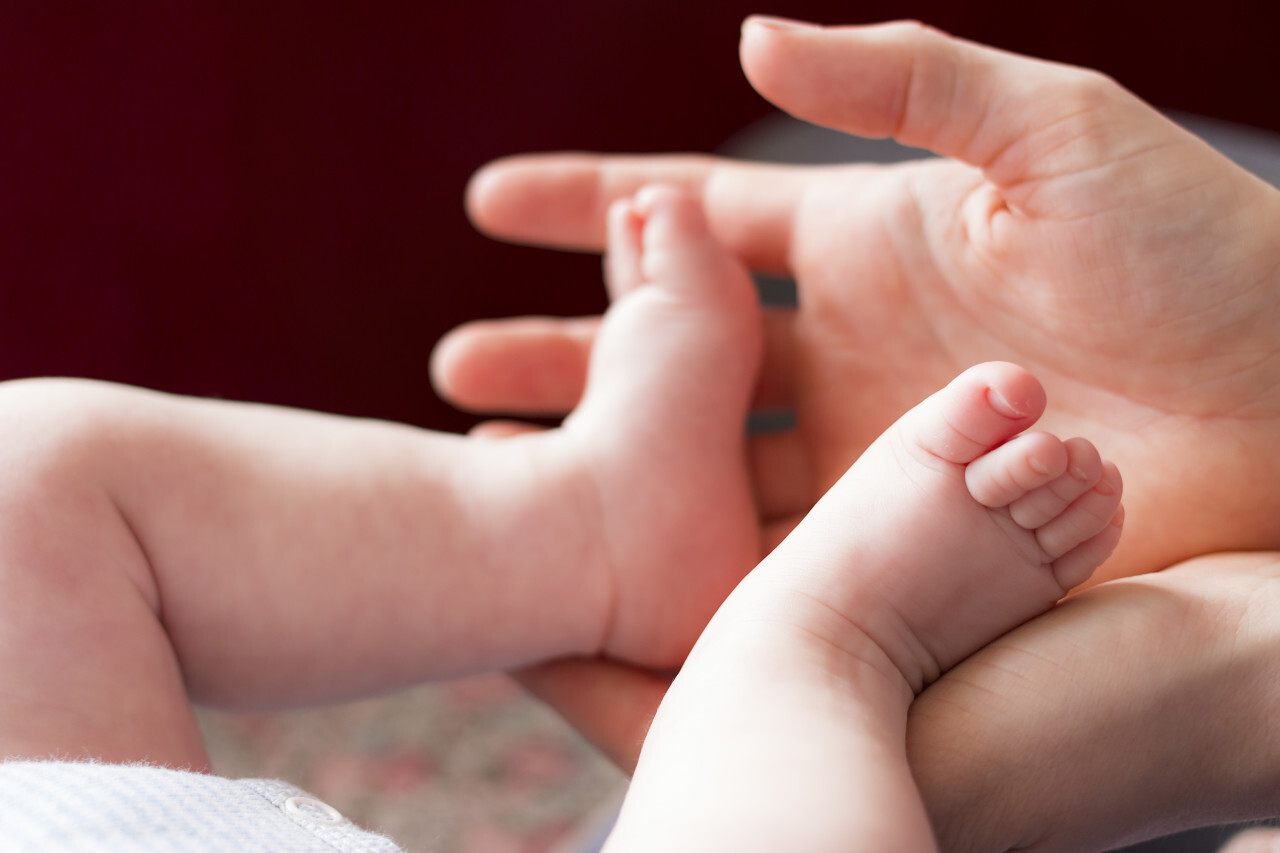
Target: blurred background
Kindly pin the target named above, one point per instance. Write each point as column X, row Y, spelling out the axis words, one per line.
column 263, row 201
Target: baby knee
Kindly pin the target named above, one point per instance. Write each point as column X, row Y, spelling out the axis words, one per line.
column 59, row 439
column 48, row 426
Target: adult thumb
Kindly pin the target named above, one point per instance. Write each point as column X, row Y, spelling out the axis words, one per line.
column 1014, row 117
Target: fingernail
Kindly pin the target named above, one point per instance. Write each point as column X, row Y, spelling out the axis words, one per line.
column 1036, row 465
column 779, row 23
column 1003, row 406
column 1104, row 488
column 1079, row 473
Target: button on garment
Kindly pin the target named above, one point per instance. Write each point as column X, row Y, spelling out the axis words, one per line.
column 311, row 810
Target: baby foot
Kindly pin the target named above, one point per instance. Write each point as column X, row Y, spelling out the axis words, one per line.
column 786, row 727
column 956, row 525
column 663, row 425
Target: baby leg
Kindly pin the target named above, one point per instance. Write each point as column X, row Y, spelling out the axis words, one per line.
column 786, row 727
column 87, row 666
column 155, row 549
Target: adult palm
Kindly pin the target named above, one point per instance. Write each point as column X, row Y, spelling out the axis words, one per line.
column 1073, row 229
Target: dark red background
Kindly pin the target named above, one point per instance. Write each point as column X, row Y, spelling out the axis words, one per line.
column 263, row 200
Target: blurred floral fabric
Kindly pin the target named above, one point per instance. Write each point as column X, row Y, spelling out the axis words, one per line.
column 471, row 766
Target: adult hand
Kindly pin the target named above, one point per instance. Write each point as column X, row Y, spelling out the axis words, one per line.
column 1137, row 708
column 1074, row 230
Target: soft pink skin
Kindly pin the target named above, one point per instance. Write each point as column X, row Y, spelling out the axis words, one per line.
column 786, row 728
column 158, row 550
column 1077, row 232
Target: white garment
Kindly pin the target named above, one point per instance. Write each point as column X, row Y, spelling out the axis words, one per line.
column 79, row 807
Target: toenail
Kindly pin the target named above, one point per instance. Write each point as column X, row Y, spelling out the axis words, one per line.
column 647, row 199
column 1001, row 405
column 1036, row 465
column 1079, row 473
column 1104, row 488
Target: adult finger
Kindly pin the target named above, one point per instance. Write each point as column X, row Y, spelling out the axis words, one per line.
column 1012, row 116
column 562, row 200
column 527, row 365
column 538, row 365
column 610, row 704
column 500, row 429
column 782, row 472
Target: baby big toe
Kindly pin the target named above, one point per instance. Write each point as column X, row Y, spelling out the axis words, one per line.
column 980, row 409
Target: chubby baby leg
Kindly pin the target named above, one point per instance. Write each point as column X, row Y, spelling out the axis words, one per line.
column 87, row 666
